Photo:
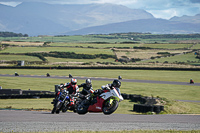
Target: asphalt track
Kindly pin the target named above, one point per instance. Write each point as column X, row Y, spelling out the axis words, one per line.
column 106, row 79
column 35, row 121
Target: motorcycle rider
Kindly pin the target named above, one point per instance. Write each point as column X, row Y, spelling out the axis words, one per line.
column 115, row 84
column 72, row 88
column 87, row 87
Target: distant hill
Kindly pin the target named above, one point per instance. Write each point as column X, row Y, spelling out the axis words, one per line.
column 157, row 26
column 34, row 18
column 187, row 19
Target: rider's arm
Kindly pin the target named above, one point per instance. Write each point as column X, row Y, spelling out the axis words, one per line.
column 90, row 91
column 81, row 85
column 66, row 84
column 106, row 87
column 76, row 91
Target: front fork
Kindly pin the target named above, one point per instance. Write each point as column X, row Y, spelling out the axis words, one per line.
column 109, row 102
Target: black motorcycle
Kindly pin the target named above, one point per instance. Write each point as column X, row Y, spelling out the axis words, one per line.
column 65, row 101
column 60, row 102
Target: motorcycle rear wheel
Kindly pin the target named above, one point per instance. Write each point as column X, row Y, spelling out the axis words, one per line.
column 82, row 108
column 64, row 109
column 107, row 110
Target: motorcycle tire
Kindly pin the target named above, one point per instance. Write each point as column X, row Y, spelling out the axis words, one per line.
column 53, row 110
column 82, row 108
column 107, row 110
column 64, row 110
column 57, row 111
column 54, row 106
column 58, row 106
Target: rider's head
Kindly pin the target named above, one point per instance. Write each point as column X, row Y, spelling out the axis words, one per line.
column 88, row 82
column 116, row 83
column 73, row 81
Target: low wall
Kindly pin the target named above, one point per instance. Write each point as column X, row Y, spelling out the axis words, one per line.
column 102, row 67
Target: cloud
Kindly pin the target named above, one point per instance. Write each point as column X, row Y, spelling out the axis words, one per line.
column 159, row 8
column 10, row 3
column 168, row 8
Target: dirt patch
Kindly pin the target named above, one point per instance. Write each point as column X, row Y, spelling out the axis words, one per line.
column 23, row 43
column 144, row 54
column 65, row 63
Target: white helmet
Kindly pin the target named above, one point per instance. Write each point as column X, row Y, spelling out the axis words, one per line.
column 73, row 81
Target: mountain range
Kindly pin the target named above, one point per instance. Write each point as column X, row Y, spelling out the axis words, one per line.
column 36, row 18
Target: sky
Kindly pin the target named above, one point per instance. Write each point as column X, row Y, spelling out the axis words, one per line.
column 165, row 9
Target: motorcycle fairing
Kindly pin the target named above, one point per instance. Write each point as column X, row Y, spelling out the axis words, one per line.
column 114, row 93
column 97, row 107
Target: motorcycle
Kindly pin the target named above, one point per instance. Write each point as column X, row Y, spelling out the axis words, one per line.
column 60, row 101
column 106, row 102
column 64, row 102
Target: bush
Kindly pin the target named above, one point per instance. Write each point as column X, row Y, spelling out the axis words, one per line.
column 39, row 55
column 165, row 62
column 165, row 53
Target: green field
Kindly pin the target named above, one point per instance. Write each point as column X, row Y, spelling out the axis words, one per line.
column 187, row 58
column 93, row 45
column 74, row 39
column 60, row 49
column 126, row 47
column 19, row 57
column 160, row 75
column 61, row 61
column 179, row 58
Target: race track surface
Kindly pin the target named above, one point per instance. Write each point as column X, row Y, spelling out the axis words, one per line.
column 106, row 79
column 36, row 121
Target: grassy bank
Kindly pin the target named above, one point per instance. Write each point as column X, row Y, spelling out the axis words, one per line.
column 159, row 75
column 125, row 131
column 125, row 107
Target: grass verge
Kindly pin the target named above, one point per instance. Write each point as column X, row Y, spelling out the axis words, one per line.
column 134, row 131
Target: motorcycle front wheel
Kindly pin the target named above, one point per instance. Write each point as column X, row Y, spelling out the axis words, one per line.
column 58, row 106
column 110, row 108
column 54, row 106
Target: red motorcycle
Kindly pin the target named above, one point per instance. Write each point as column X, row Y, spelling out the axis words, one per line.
column 107, row 102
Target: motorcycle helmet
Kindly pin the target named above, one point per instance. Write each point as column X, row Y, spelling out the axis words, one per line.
column 73, row 81
column 88, row 82
column 116, row 83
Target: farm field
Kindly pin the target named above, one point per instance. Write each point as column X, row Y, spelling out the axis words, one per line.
column 125, row 56
column 158, row 75
column 60, row 49
column 175, row 59
column 93, row 45
column 132, row 49
column 74, row 39
column 168, row 46
column 18, row 57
